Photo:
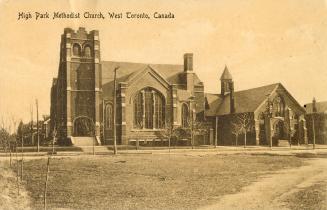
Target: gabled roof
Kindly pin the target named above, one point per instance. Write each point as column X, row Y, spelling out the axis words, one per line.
column 321, row 107
column 245, row 100
column 213, row 102
column 226, row 75
column 127, row 70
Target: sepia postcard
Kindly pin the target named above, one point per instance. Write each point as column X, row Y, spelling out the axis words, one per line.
column 152, row 104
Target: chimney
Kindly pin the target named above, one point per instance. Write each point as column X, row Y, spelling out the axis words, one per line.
column 188, row 62
column 314, row 105
column 231, row 96
column 188, row 72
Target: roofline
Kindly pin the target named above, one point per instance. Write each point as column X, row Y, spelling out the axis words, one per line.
column 318, row 102
column 172, row 64
column 161, row 77
column 278, row 83
column 294, row 100
column 288, row 93
column 264, row 101
column 130, row 80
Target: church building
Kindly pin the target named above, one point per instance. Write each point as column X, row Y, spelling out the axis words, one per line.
column 269, row 115
column 316, row 118
column 149, row 97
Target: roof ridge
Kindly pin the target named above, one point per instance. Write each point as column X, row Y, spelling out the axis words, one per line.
column 278, row 83
column 128, row 62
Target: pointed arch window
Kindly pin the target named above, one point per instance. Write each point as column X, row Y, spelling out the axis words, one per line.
column 87, row 51
column 279, row 107
column 76, row 49
column 185, row 116
column 108, row 116
column 149, row 109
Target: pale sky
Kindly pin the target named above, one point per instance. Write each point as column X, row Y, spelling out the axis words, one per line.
column 261, row 41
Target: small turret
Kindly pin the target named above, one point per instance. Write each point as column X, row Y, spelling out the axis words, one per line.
column 226, row 79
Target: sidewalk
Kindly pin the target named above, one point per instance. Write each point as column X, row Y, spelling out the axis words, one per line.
column 108, row 150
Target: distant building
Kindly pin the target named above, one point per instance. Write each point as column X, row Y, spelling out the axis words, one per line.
column 316, row 117
column 271, row 110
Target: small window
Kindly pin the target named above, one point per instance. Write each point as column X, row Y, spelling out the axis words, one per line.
column 185, row 116
column 108, row 116
column 76, row 50
column 87, row 51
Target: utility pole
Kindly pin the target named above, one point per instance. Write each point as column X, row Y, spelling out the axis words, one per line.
column 54, row 138
column 313, row 131
column 268, row 118
column 192, row 138
column 216, row 132
column 192, row 119
column 31, row 111
column 37, row 125
column 114, row 107
column 22, row 164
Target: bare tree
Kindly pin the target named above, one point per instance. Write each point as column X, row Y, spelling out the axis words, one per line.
column 199, row 128
column 235, row 129
column 168, row 133
column 4, row 135
column 242, row 122
column 10, row 146
column 15, row 137
column 196, row 128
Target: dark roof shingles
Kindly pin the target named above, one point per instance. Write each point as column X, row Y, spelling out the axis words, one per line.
column 245, row 100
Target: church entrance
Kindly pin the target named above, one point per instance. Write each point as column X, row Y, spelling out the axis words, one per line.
column 279, row 132
column 83, row 126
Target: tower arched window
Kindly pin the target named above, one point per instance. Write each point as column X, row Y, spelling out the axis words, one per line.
column 108, row 123
column 185, row 116
column 87, row 51
column 149, row 109
column 76, row 49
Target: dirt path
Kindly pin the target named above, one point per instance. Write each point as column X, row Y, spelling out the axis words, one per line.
column 270, row 192
column 9, row 198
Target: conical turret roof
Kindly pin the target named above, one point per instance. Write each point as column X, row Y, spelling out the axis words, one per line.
column 226, row 75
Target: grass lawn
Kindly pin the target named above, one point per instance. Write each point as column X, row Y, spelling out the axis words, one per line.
column 309, row 198
column 146, row 181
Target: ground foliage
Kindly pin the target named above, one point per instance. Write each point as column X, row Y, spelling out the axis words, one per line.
column 183, row 181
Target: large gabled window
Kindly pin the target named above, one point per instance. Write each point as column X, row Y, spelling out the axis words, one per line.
column 149, row 109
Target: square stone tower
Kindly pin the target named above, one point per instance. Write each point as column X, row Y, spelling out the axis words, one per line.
column 80, row 88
